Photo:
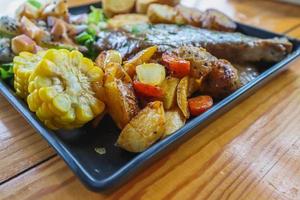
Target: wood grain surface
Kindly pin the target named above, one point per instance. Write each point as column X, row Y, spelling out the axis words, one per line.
column 295, row 32
column 20, row 146
column 267, row 14
column 251, row 152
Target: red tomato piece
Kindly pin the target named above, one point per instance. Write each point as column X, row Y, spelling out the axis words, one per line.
column 178, row 66
column 147, row 90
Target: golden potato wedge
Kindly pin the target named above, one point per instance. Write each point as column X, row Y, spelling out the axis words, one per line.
column 158, row 13
column 174, row 121
column 151, row 73
column 106, row 57
column 194, row 85
column 113, row 7
column 142, row 6
column 103, row 61
column 169, row 2
column 121, row 20
column 99, row 91
column 140, row 58
column 144, row 129
column 182, row 94
column 169, row 87
column 216, row 20
column 121, row 101
column 191, row 15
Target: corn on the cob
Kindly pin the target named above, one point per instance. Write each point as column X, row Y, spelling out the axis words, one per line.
column 24, row 64
column 61, row 89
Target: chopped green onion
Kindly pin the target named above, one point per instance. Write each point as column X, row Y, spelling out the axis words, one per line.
column 35, row 3
column 83, row 37
column 91, row 30
column 96, row 16
column 89, row 42
column 92, row 53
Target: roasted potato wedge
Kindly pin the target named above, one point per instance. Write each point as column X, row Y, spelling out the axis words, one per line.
column 169, row 2
column 121, row 20
column 142, row 6
column 169, row 87
column 182, row 94
column 120, row 98
column 151, row 73
column 194, row 85
column 113, row 7
column 144, row 129
column 174, row 121
column 191, row 15
column 106, row 57
column 216, row 20
column 103, row 61
column 158, row 13
column 140, row 58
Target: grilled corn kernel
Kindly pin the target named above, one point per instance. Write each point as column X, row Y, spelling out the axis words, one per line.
column 24, row 64
column 61, row 89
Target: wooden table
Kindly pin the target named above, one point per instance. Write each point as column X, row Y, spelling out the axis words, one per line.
column 251, row 152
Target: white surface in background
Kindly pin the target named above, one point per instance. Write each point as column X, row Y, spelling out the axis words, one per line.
column 8, row 7
column 221, row 5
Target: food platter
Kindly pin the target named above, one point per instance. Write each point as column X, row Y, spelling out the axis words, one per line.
column 82, row 149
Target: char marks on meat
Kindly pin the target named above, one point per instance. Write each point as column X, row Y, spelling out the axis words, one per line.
column 235, row 47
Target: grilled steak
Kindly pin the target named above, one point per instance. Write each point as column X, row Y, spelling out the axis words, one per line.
column 232, row 46
column 220, row 77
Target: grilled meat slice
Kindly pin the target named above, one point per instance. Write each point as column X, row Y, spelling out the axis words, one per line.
column 232, row 46
column 222, row 80
column 201, row 61
column 220, row 77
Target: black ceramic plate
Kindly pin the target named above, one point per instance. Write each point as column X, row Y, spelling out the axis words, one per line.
column 99, row 172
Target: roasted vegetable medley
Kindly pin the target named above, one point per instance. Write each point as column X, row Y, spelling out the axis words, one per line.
column 70, row 73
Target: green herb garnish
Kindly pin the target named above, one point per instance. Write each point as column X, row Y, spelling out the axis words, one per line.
column 90, row 30
column 87, row 39
column 83, row 37
column 35, row 3
column 6, row 71
column 91, row 53
column 96, row 21
column 96, row 16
